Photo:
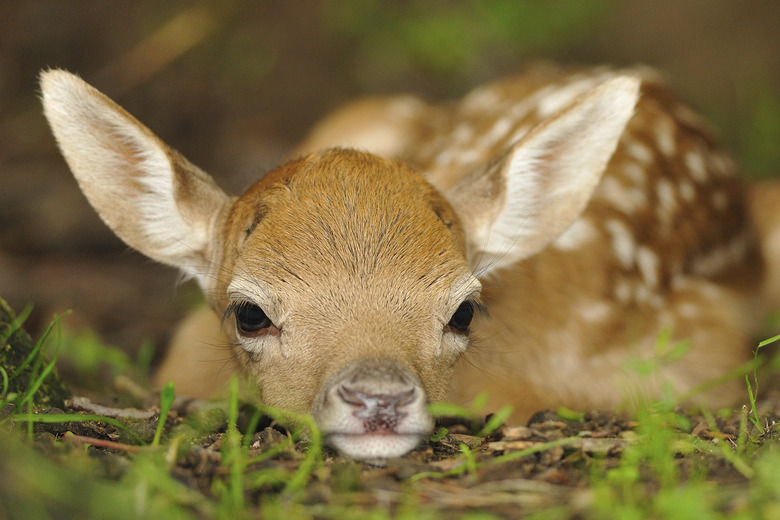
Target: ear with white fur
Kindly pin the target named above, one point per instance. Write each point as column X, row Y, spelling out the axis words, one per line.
column 518, row 204
column 148, row 194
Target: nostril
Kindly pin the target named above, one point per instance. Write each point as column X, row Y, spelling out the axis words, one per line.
column 406, row 398
column 351, row 397
column 370, row 406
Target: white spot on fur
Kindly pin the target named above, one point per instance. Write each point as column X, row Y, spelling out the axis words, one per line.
column 689, row 310
column 664, row 136
column 636, row 173
column 721, row 164
column 407, row 106
column 687, row 191
column 687, row 116
column 623, row 244
column 642, row 294
column 666, row 197
column 463, row 133
column 698, row 286
column 469, row 156
column 498, row 131
column 627, row 200
column 594, row 311
column 695, row 163
column 623, row 292
column 521, row 109
column 639, row 151
column 667, row 202
column 482, row 98
column 648, row 264
column 444, row 158
column 718, row 260
column 579, row 233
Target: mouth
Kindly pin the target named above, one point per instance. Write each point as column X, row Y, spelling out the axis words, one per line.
column 374, row 447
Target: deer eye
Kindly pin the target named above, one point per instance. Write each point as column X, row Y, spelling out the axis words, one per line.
column 461, row 320
column 250, row 318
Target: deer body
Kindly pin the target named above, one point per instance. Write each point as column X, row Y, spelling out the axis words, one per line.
column 588, row 218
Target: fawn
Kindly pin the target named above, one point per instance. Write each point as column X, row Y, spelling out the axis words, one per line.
column 588, row 212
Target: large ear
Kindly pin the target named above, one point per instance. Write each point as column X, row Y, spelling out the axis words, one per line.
column 520, row 202
column 149, row 195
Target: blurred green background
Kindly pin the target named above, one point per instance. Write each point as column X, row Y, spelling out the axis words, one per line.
column 234, row 84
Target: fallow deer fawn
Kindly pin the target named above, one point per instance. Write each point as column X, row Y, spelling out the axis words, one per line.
column 587, row 212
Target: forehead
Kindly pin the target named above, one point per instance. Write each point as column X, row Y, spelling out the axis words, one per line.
column 347, row 214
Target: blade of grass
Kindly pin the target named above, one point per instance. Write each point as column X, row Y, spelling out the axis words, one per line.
column 233, row 453
column 36, row 384
column 167, row 396
column 36, row 349
column 450, row 410
column 252, row 426
column 470, row 461
column 742, row 437
column 313, row 456
column 145, row 356
column 569, row 415
column 457, row 411
column 495, row 421
column 36, row 379
column 753, row 410
column 752, row 396
column 15, row 325
column 6, row 383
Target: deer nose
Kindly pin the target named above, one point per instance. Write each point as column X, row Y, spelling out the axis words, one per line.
column 378, row 411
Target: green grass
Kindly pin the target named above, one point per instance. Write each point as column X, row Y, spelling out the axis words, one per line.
column 33, row 370
column 648, row 481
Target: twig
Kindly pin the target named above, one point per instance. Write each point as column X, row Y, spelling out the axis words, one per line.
column 101, row 443
column 85, row 405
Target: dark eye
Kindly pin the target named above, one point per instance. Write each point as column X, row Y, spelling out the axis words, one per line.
column 250, row 318
column 461, row 320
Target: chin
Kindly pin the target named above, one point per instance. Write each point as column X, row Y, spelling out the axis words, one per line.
column 374, row 447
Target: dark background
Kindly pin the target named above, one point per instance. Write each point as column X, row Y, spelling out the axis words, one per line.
column 234, row 84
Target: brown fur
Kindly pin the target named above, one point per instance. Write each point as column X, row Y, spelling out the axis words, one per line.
column 266, row 233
